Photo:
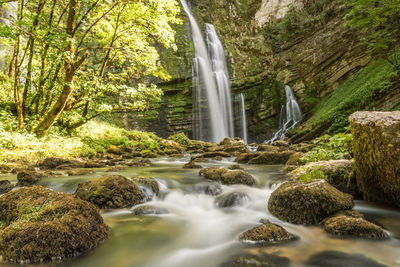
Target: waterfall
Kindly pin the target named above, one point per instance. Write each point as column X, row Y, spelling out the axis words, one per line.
column 290, row 116
column 212, row 103
column 240, row 117
column 8, row 13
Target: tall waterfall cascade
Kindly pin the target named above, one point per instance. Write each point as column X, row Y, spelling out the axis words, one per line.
column 290, row 116
column 240, row 117
column 8, row 12
column 212, row 101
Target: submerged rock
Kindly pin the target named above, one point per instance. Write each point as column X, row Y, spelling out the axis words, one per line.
column 5, row 186
column 227, row 177
column 231, row 200
column 192, row 165
column 212, row 189
column 110, row 192
column 353, row 224
column 149, row 210
column 307, row 202
column 266, row 233
column 77, row 172
column 37, row 224
column 341, row 259
column 26, row 178
column 148, row 182
column 260, row 260
column 339, row 173
column 376, row 145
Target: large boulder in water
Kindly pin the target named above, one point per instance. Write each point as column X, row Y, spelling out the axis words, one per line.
column 339, row 173
column 265, row 158
column 232, row 199
column 28, row 177
column 353, row 224
column 37, row 224
column 307, row 202
column 266, row 233
column 376, row 144
column 227, row 177
column 110, row 192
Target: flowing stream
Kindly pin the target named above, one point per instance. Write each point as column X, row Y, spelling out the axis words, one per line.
column 196, row 232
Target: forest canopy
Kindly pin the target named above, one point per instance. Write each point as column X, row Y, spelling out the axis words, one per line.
column 72, row 60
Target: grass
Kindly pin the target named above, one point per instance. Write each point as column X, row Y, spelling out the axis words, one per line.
column 360, row 92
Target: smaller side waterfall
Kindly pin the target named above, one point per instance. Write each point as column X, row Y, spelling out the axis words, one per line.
column 290, row 116
column 240, row 117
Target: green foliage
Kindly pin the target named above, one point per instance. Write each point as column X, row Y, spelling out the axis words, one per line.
column 360, row 92
column 380, row 21
column 313, row 174
column 110, row 61
column 329, row 147
column 180, row 138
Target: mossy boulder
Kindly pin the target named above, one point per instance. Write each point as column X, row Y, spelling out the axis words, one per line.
column 110, row 192
column 353, row 224
column 266, row 233
column 271, row 158
column 60, row 163
column 148, row 182
column 181, row 139
column 307, row 202
column 192, row 165
column 339, row 173
column 149, row 210
column 295, row 159
column 227, row 177
column 235, row 167
column 376, row 145
column 37, row 224
column 231, row 199
column 5, row 186
column 26, row 178
column 78, row 172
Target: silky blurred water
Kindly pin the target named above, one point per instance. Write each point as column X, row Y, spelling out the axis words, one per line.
column 196, row 232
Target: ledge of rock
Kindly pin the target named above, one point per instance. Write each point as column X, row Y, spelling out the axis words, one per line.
column 307, row 202
column 227, row 177
column 37, row 224
column 110, row 192
column 376, row 143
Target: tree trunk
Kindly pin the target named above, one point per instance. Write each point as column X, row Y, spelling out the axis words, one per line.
column 70, row 67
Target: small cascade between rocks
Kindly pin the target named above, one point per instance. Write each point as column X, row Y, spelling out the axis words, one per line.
column 290, row 116
column 212, row 102
column 240, row 117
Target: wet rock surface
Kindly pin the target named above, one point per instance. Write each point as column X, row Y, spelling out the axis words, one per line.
column 307, row 202
column 5, row 186
column 110, row 192
column 341, row 259
column 148, row 182
column 266, row 233
column 353, row 224
column 231, row 200
column 227, row 177
column 149, row 210
column 339, row 173
column 38, row 224
column 28, row 177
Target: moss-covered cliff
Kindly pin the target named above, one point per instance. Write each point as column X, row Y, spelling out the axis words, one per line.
column 305, row 44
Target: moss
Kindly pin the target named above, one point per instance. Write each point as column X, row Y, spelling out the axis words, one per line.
column 148, row 182
column 180, row 138
column 354, row 226
column 307, row 202
column 266, row 233
column 38, row 224
column 227, row 177
column 110, row 191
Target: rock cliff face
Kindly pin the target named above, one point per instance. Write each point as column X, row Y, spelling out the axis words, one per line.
column 268, row 43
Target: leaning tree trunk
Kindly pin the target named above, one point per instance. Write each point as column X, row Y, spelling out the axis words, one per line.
column 70, row 67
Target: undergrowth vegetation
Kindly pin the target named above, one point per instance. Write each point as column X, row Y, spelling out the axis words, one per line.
column 329, row 147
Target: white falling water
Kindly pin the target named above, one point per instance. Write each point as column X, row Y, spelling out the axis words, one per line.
column 212, row 105
column 8, row 14
column 290, row 116
column 240, row 117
